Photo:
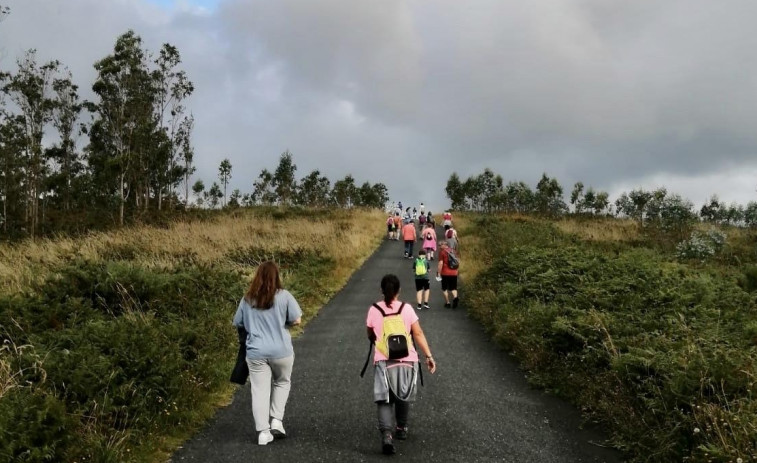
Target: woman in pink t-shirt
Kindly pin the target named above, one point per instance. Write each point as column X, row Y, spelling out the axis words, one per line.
column 394, row 380
column 428, row 235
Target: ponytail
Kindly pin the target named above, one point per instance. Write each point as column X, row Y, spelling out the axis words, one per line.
column 390, row 287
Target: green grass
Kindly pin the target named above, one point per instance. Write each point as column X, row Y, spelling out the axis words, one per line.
column 661, row 351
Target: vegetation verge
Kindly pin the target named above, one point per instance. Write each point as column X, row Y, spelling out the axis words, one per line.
column 117, row 346
column 662, row 352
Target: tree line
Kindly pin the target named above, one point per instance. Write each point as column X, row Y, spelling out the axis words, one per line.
column 281, row 187
column 138, row 137
column 72, row 164
column 487, row 192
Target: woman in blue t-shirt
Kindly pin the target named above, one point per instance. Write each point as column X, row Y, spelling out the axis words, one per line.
column 265, row 311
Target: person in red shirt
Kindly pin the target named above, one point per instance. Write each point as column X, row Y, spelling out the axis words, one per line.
column 448, row 275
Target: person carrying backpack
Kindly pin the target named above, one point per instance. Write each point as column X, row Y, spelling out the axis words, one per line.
column 447, row 218
column 428, row 235
column 390, row 228
column 394, row 329
column 450, row 234
column 447, row 269
column 422, row 283
column 397, row 226
column 264, row 312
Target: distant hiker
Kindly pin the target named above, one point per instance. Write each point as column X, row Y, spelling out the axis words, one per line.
column 390, row 228
column 422, row 220
column 409, row 236
column 399, row 205
column 423, row 209
column 422, row 283
column 450, row 234
column 447, row 269
column 430, row 219
column 428, row 235
column 265, row 311
column 396, row 334
column 447, row 218
column 397, row 226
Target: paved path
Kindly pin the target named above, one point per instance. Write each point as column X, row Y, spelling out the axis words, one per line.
column 477, row 407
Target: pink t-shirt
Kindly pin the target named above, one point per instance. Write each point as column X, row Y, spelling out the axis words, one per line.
column 376, row 321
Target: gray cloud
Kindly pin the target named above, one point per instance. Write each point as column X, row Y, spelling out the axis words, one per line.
column 406, row 92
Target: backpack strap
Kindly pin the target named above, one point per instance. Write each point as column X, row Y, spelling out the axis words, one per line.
column 383, row 312
column 367, row 359
column 378, row 307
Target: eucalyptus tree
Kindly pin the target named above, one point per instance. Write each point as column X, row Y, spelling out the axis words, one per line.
column 713, row 210
column 214, row 195
column 344, row 192
column 123, row 119
column 263, row 189
column 198, row 188
column 11, row 169
column 224, row 175
column 518, row 197
column 67, row 108
column 313, row 190
column 30, row 89
column 455, row 192
column 576, row 197
column 172, row 87
column 548, row 196
column 186, row 153
column 235, row 198
column 284, row 181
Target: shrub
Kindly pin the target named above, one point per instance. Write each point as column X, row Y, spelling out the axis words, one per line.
column 655, row 349
column 701, row 246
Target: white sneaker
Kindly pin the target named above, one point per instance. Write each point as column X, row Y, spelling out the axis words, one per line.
column 265, row 437
column 277, row 429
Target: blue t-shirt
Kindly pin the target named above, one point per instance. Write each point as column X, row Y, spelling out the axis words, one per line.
column 267, row 336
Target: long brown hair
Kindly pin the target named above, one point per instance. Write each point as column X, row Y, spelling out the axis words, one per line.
column 264, row 286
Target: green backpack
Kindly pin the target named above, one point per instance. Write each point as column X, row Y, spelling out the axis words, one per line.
column 420, row 267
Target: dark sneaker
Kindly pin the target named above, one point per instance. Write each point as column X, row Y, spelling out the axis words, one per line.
column 447, row 305
column 426, row 306
column 454, row 303
column 387, row 443
column 419, row 307
column 400, row 433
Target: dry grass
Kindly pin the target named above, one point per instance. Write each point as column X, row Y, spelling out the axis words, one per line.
column 472, row 250
column 350, row 237
column 600, row 229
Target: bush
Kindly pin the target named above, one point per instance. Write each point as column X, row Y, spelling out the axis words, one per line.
column 655, row 349
column 701, row 245
column 34, row 426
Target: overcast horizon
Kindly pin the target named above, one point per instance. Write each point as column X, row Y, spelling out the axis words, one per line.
column 618, row 96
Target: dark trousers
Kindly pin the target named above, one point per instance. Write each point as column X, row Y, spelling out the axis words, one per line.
column 409, row 247
column 401, row 411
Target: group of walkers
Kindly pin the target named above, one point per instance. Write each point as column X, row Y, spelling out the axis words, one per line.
column 449, row 251
column 267, row 354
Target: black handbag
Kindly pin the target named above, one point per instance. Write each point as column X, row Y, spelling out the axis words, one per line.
column 241, row 371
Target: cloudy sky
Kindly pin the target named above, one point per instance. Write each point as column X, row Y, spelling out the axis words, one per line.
column 619, row 95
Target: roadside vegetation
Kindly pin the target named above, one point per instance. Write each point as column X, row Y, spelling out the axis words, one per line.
column 117, row 346
column 650, row 330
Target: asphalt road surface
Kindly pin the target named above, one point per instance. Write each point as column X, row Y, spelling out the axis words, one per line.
column 476, row 408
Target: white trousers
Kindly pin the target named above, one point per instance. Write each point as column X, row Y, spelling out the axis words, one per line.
column 270, row 382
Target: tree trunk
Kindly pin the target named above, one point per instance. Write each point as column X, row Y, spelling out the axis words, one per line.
column 123, row 200
column 186, row 188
